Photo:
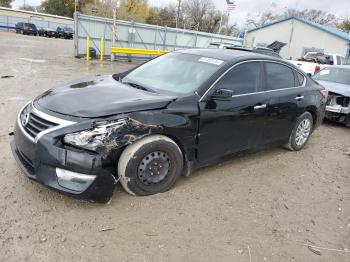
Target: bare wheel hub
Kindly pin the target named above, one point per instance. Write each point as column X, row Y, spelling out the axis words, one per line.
column 154, row 168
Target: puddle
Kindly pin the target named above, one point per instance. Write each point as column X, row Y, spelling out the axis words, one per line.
column 16, row 98
column 6, row 76
column 32, row 60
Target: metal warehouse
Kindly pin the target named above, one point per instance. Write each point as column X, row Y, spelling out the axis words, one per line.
column 301, row 36
column 10, row 17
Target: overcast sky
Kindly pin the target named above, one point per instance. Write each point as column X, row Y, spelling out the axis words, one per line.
column 340, row 8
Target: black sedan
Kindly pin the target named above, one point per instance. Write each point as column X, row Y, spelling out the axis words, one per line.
column 48, row 32
column 167, row 117
column 26, row 29
column 64, row 32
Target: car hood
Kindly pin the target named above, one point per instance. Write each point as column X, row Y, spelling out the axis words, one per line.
column 98, row 97
column 341, row 89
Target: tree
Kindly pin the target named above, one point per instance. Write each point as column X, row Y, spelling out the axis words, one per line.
column 153, row 16
column 261, row 19
column 195, row 12
column 6, row 3
column 62, row 7
column 198, row 15
column 344, row 26
column 103, row 8
column 317, row 16
column 28, row 8
column 136, row 10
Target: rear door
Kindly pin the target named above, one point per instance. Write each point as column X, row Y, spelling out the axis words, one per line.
column 285, row 89
column 234, row 123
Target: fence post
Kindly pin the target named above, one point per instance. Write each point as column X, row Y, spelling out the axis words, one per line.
column 87, row 48
column 102, row 48
column 7, row 24
column 164, row 40
column 76, row 35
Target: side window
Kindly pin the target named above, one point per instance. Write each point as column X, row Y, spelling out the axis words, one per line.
column 242, row 79
column 299, row 79
column 278, row 76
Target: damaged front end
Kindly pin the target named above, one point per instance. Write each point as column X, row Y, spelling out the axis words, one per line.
column 338, row 108
column 109, row 135
column 76, row 157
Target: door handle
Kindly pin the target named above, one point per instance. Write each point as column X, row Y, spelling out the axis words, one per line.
column 260, row 107
column 299, row 98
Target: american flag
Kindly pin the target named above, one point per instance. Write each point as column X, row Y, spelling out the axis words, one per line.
column 230, row 5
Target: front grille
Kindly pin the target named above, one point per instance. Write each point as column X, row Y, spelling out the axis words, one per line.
column 336, row 99
column 32, row 123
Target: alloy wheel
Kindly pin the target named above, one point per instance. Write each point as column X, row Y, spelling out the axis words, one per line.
column 303, row 132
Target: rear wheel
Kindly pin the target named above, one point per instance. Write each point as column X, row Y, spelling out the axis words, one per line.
column 150, row 166
column 301, row 132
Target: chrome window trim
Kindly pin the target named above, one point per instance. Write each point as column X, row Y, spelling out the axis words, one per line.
column 250, row 61
column 61, row 123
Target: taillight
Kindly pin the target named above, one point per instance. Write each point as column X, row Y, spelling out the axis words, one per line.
column 324, row 93
column 317, row 69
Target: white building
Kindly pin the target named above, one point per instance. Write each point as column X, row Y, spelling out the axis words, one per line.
column 10, row 17
column 301, row 36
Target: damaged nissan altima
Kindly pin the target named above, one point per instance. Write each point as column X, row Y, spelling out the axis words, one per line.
column 147, row 126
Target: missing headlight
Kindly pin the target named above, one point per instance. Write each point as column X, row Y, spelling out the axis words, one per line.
column 96, row 137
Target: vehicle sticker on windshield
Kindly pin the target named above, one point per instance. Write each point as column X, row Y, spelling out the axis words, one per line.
column 324, row 72
column 210, row 60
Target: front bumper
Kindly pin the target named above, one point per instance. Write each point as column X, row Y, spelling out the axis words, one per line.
column 43, row 161
column 338, row 109
column 338, row 113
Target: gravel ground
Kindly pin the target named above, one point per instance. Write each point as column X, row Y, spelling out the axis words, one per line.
column 266, row 206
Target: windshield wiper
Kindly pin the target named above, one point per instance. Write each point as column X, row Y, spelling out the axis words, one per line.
column 137, row 86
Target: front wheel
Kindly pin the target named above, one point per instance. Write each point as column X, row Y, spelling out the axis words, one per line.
column 150, row 166
column 301, row 132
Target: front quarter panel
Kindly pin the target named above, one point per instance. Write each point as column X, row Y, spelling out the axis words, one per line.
column 179, row 121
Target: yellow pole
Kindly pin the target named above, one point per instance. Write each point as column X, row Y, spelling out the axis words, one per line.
column 87, row 48
column 102, row 48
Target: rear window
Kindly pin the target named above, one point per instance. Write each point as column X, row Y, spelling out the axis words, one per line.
column 279, row 76
column 30, row 25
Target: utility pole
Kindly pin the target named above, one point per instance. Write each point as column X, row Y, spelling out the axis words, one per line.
column 178, row 13
column 75, row 5
column 24, row 4
column 114, row 27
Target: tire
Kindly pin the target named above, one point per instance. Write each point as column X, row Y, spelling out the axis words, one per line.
column 301, row 132
column 150, row 165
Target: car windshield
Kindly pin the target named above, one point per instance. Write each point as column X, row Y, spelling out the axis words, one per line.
column 334, row 74
column 177, row 73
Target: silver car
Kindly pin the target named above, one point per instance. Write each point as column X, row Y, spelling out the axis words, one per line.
column 336, row 80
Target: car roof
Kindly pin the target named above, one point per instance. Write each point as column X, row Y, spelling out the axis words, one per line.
column 227, row 54
column 338, row 66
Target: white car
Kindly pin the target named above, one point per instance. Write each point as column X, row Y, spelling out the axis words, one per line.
column 314, row 62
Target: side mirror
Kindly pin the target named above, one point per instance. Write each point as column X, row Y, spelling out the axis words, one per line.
column 222, row 94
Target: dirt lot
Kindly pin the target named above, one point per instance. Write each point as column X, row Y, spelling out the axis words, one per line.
column 260, row 207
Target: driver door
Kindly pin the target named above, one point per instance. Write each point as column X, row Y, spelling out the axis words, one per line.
column 233, row 123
